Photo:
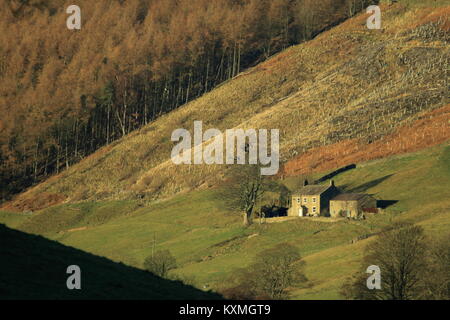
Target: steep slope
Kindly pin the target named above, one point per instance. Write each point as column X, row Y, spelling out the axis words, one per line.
column 349, row 84
column 65, row 93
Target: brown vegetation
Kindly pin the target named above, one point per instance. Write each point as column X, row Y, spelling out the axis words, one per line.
column 26, row 204
column 430, row 129
column 64, row 93
column 348, row 84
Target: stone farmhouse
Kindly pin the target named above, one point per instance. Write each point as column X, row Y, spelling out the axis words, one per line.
column 312, row 200
column 329, row 201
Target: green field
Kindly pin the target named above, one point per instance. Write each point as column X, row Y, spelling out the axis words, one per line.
column 209, row 242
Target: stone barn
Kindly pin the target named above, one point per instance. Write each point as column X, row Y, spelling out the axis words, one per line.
column 352, row 205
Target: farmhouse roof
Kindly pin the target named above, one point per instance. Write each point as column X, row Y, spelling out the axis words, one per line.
column 350, row 197
column 311, row 190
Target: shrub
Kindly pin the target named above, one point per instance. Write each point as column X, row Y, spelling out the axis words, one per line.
column 269, row 276
column 160, row 263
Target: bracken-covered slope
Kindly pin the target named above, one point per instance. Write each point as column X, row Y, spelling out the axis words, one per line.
column 336, row 99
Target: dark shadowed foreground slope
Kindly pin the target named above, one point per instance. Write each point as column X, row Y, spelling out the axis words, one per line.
column 32, row 267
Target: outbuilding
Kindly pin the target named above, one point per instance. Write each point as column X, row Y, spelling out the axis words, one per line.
column 352, row 205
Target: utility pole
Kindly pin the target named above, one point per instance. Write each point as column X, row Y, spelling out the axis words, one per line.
column 153, row 245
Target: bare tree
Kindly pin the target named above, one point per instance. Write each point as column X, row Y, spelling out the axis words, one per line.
column 270, row 275
column 437, row 278
column 400, row 253
column 244, row 189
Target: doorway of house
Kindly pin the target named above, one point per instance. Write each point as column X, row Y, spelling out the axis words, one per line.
column 302, row 212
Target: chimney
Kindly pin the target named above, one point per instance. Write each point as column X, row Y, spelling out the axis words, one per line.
column 305, row 183
column 332, row 183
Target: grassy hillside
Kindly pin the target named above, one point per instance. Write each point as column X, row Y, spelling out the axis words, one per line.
column 377, row 99
column 209, row 242
column 35, row 268
column 350, row 85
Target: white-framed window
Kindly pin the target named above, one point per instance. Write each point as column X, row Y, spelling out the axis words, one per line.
column 305, row 200
column 298, row 200
column 314, row 199
column 314, row 209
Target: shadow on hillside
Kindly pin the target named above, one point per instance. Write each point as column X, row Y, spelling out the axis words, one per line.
column 274, row 211
column 383, row 204
column 335, row 173
column 33, row 267
column 365, row 186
